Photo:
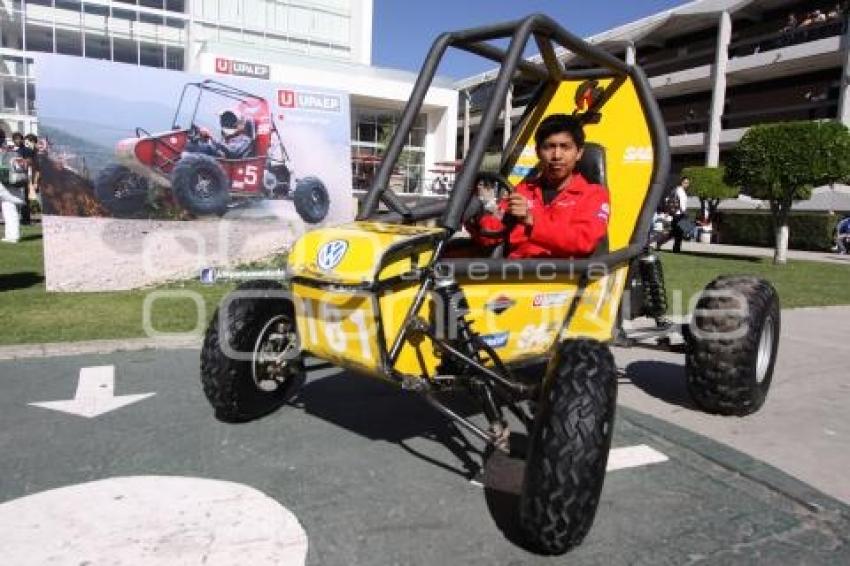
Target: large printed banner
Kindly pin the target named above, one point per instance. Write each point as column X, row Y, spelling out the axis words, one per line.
column 154, row 173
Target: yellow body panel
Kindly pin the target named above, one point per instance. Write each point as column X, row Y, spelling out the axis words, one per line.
column 367, row 244
column 338, row 326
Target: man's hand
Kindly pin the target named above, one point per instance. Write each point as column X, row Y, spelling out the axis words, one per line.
column 518, row 207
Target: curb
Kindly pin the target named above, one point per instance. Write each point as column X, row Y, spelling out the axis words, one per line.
column 54, row 349
column 772, row 478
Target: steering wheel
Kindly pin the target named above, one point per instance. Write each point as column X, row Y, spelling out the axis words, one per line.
column 486, row 186
column 490, row 186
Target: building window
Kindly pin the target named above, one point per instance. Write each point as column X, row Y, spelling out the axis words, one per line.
column 125, row 51
column 373, row 129
column 11, row 36
column 69, row 42
column 39, row 38
column 152, row 55
column 174, row 58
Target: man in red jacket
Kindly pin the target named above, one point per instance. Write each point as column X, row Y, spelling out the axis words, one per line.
column 557, row 213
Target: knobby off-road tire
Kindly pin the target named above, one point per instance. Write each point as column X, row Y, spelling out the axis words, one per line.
column 255, row 326
column 200, row 185
column 311, row 200
column 121, row 191
column 731, row 352
column 568, row 448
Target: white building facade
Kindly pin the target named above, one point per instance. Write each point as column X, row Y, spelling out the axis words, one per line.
column 319, row 43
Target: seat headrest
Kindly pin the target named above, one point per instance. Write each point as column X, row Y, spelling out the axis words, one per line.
column 592, row 164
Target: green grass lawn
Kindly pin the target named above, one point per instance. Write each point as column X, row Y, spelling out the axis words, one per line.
column 30, row 314
column 798, row 283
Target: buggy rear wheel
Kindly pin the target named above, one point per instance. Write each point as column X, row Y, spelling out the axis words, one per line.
column 200, row 185
column 121, row 191
column 732, row 343
column 311, row 200
column 250, row 360
column 569, row 446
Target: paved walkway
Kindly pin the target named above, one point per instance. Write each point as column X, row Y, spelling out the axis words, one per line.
column 803, row 428
column 723, row 249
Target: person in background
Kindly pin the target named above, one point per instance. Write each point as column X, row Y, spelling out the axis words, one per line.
column 842, row 236
column 2, row 139
column 9, row 203
column 29, row 152
column 680, row 213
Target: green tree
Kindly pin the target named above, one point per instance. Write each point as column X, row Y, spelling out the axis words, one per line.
column 780, row 163
column 708, row 184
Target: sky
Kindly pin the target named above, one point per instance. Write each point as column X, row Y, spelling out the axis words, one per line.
column 403, row 30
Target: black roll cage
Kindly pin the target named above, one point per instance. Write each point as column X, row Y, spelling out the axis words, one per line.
column 548, row 35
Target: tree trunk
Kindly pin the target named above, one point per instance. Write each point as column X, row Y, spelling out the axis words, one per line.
column 780, row 254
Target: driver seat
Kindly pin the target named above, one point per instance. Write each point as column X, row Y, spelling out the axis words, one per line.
column 592, row 167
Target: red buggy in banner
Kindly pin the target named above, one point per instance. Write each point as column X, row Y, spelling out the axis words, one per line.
column 204, row 174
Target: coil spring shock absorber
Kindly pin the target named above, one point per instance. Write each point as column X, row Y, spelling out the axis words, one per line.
column 654, row 291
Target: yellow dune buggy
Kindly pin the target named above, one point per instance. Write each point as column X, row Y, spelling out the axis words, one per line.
column 388, row 296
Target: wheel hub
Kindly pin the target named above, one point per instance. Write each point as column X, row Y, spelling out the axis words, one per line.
column 202, row 187
column 765, row 350
column 275, row 354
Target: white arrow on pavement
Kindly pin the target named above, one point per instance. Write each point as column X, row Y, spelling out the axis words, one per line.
column 633, row 456
column 95, row 394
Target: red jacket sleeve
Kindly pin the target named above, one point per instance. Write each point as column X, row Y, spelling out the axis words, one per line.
column 573, row 231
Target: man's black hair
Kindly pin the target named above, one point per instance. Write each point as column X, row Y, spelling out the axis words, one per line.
column 17, row 135
column 31, row 137
column 557, row 123
column 684, row 178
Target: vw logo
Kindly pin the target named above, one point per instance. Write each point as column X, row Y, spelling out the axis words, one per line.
column 331, row 254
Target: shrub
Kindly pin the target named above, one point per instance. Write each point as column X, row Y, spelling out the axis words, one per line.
column 808, row 231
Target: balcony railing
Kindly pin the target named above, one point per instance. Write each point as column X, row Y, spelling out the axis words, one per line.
column 788, row 37
column 819, row 110
column 670, row 62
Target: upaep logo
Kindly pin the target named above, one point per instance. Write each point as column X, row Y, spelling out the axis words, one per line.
column 309, row 101
column 242, row 68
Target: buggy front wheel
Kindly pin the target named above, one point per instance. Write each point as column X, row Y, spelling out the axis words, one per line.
column 568, row 447
column 250, row 360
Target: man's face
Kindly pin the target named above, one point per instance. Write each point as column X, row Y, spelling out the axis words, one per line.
column 686, row 183
column 558, row 156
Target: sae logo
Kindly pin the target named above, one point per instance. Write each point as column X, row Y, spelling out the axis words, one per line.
column 331, row 254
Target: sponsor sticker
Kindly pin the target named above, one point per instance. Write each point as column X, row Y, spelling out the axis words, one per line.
column 521, row 171
column 500, row 304
column 497, row 340
column 551, row 299
column 331, row 253
column 635, row 154
column 604, row 211
column 534, row 336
